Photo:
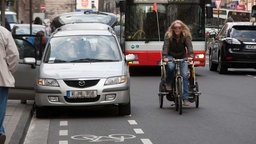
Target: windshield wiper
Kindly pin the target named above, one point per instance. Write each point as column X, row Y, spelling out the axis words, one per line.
column 92, row 60
column 57, row 61
column 86, row 60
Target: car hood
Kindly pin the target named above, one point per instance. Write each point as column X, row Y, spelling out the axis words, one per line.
column 247, row 40
column 82, row 70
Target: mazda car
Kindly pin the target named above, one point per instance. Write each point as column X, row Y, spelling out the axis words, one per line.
column 83, row 65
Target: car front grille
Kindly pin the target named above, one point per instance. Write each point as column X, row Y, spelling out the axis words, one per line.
column 81, row 83
column 81, row 100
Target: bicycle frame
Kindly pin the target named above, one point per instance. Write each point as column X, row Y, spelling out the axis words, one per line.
column 177, row 92
column 178, row 76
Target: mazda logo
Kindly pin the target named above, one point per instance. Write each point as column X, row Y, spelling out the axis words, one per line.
column 81, row 83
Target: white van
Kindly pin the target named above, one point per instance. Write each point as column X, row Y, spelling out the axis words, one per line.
column 11, row 18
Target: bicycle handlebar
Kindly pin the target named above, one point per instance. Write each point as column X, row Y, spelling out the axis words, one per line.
column 180, row 60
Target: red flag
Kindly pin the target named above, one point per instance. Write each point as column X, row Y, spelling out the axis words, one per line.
column 154, row 7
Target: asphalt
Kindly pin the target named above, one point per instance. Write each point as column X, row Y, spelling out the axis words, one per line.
column 17, row 119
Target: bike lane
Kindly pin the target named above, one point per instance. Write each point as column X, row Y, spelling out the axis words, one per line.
column 96, row 126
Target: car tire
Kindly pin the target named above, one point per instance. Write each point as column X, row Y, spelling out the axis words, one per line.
column 212, row 66
column 40, row 112
column 124, row 109
column 222, row 69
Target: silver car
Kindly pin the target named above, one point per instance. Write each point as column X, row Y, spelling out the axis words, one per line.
column 83, row 67
column 24, row 29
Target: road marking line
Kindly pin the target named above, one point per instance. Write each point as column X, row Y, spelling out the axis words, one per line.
column 63, row 123
column 63, row 132
column 132, row 122
column 63, row 142
column 146, row 141
column 138, row 131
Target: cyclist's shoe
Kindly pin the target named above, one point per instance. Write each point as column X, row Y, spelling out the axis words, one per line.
column 186, row 103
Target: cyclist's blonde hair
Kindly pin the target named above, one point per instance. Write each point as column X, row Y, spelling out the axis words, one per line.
column 184, row 28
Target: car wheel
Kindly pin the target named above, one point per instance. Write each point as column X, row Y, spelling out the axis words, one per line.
column 222, row 69
column 41, row 112
column 212, row 66
column 124, row 109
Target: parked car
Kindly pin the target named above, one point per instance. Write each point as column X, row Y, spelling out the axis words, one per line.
column 83, row 65
column 11, row 17
column 234, row 47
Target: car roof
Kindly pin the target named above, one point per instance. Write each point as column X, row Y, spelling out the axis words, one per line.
column 84, row 29
column 85, row 26
column 81, row 32
column 27, row 25
column 230, row 24
column 24, row 29
column 9, row 12
column 84, row 17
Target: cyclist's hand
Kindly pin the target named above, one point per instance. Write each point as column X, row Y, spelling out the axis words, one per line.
column 190, row 59
column 166, row 59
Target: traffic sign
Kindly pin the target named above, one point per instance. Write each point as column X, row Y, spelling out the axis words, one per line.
column 42, row 7
column 217, row 3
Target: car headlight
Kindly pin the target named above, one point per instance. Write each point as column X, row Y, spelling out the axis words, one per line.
column 115, row 80
column 233, row 41
column 48, row 82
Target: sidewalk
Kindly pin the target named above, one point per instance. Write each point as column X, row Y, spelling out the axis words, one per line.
column 17, row 120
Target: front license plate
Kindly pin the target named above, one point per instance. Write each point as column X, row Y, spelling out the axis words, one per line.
column 82, row 94
column 251, row 47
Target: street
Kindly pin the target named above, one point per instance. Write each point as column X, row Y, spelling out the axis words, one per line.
column 226, row 114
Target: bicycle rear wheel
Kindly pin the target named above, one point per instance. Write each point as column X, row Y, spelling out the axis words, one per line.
column 161, row 97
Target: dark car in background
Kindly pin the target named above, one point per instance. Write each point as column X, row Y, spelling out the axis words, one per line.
column 234, row 47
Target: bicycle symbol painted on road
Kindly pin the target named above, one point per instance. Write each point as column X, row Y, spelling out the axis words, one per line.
column 111, row 137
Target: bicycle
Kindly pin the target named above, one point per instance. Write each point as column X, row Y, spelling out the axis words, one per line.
column 176, row 94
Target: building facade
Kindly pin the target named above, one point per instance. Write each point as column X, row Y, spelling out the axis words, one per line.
column 237, row 4
column 55, row 7
column 52, row 8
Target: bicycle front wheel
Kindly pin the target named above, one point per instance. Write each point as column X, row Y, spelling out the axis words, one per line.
column 180, row 94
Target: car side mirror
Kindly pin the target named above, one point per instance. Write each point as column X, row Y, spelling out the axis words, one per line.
column 31, row 61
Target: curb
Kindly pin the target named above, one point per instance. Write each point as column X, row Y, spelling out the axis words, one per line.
column 22, row 126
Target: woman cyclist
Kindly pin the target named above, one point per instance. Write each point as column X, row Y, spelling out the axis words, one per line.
column 177, row 43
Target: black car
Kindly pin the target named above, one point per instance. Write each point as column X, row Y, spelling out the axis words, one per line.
column 234, row 47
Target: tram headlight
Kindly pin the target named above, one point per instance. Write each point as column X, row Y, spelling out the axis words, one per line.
column 200, row 56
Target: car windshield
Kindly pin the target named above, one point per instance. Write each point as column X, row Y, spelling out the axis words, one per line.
column 244, row 33
column 82, row 49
